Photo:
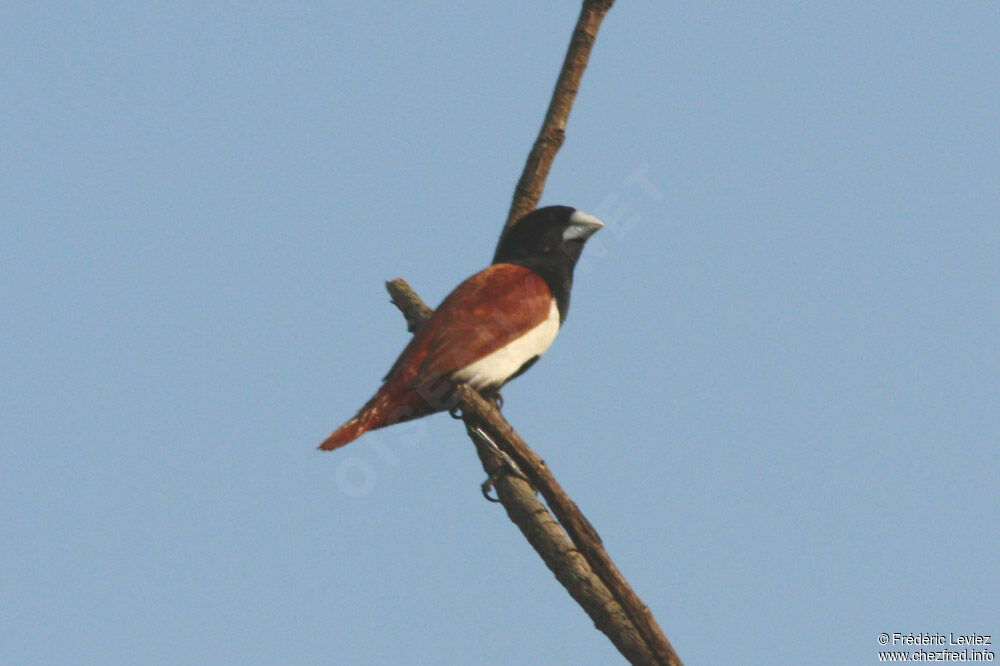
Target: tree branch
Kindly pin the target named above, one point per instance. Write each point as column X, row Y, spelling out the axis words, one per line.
column 553, row 132
column 412, row 306
column 557, row 550
column 570, row 547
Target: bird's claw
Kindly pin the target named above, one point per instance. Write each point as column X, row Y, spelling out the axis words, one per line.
column 488, row 484
column 508, row 466
column 494, row 397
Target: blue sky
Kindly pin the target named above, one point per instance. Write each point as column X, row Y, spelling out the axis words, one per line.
column 775, row 396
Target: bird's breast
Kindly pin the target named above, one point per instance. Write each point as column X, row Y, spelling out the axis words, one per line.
column 500, row 365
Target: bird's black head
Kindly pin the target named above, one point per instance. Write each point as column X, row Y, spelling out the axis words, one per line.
column 549, row 241
column 553, row 233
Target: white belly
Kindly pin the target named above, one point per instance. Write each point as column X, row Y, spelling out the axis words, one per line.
column 497, row 367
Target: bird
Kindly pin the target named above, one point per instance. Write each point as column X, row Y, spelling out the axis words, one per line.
column 489, row 329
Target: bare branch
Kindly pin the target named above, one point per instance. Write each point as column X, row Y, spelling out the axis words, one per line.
column 553, row 132
column 411, row 305
column 571, row 548
column 593, row 581
column 562, row 557
column 479, row 412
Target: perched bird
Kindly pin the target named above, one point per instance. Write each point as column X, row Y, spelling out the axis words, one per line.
column 487, row 331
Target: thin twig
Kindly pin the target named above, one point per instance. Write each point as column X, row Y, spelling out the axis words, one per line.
column 553, row 131
column 413, row 308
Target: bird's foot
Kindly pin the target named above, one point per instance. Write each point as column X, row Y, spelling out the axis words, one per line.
column 493, row 396
column 490, row 395
column 507, row 466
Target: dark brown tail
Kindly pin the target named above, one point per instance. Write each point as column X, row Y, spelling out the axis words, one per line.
column 385, row 408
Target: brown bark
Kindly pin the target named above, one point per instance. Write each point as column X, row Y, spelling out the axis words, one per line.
column 553, row 132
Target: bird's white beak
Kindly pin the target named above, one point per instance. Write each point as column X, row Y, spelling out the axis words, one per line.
column 581, row 226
